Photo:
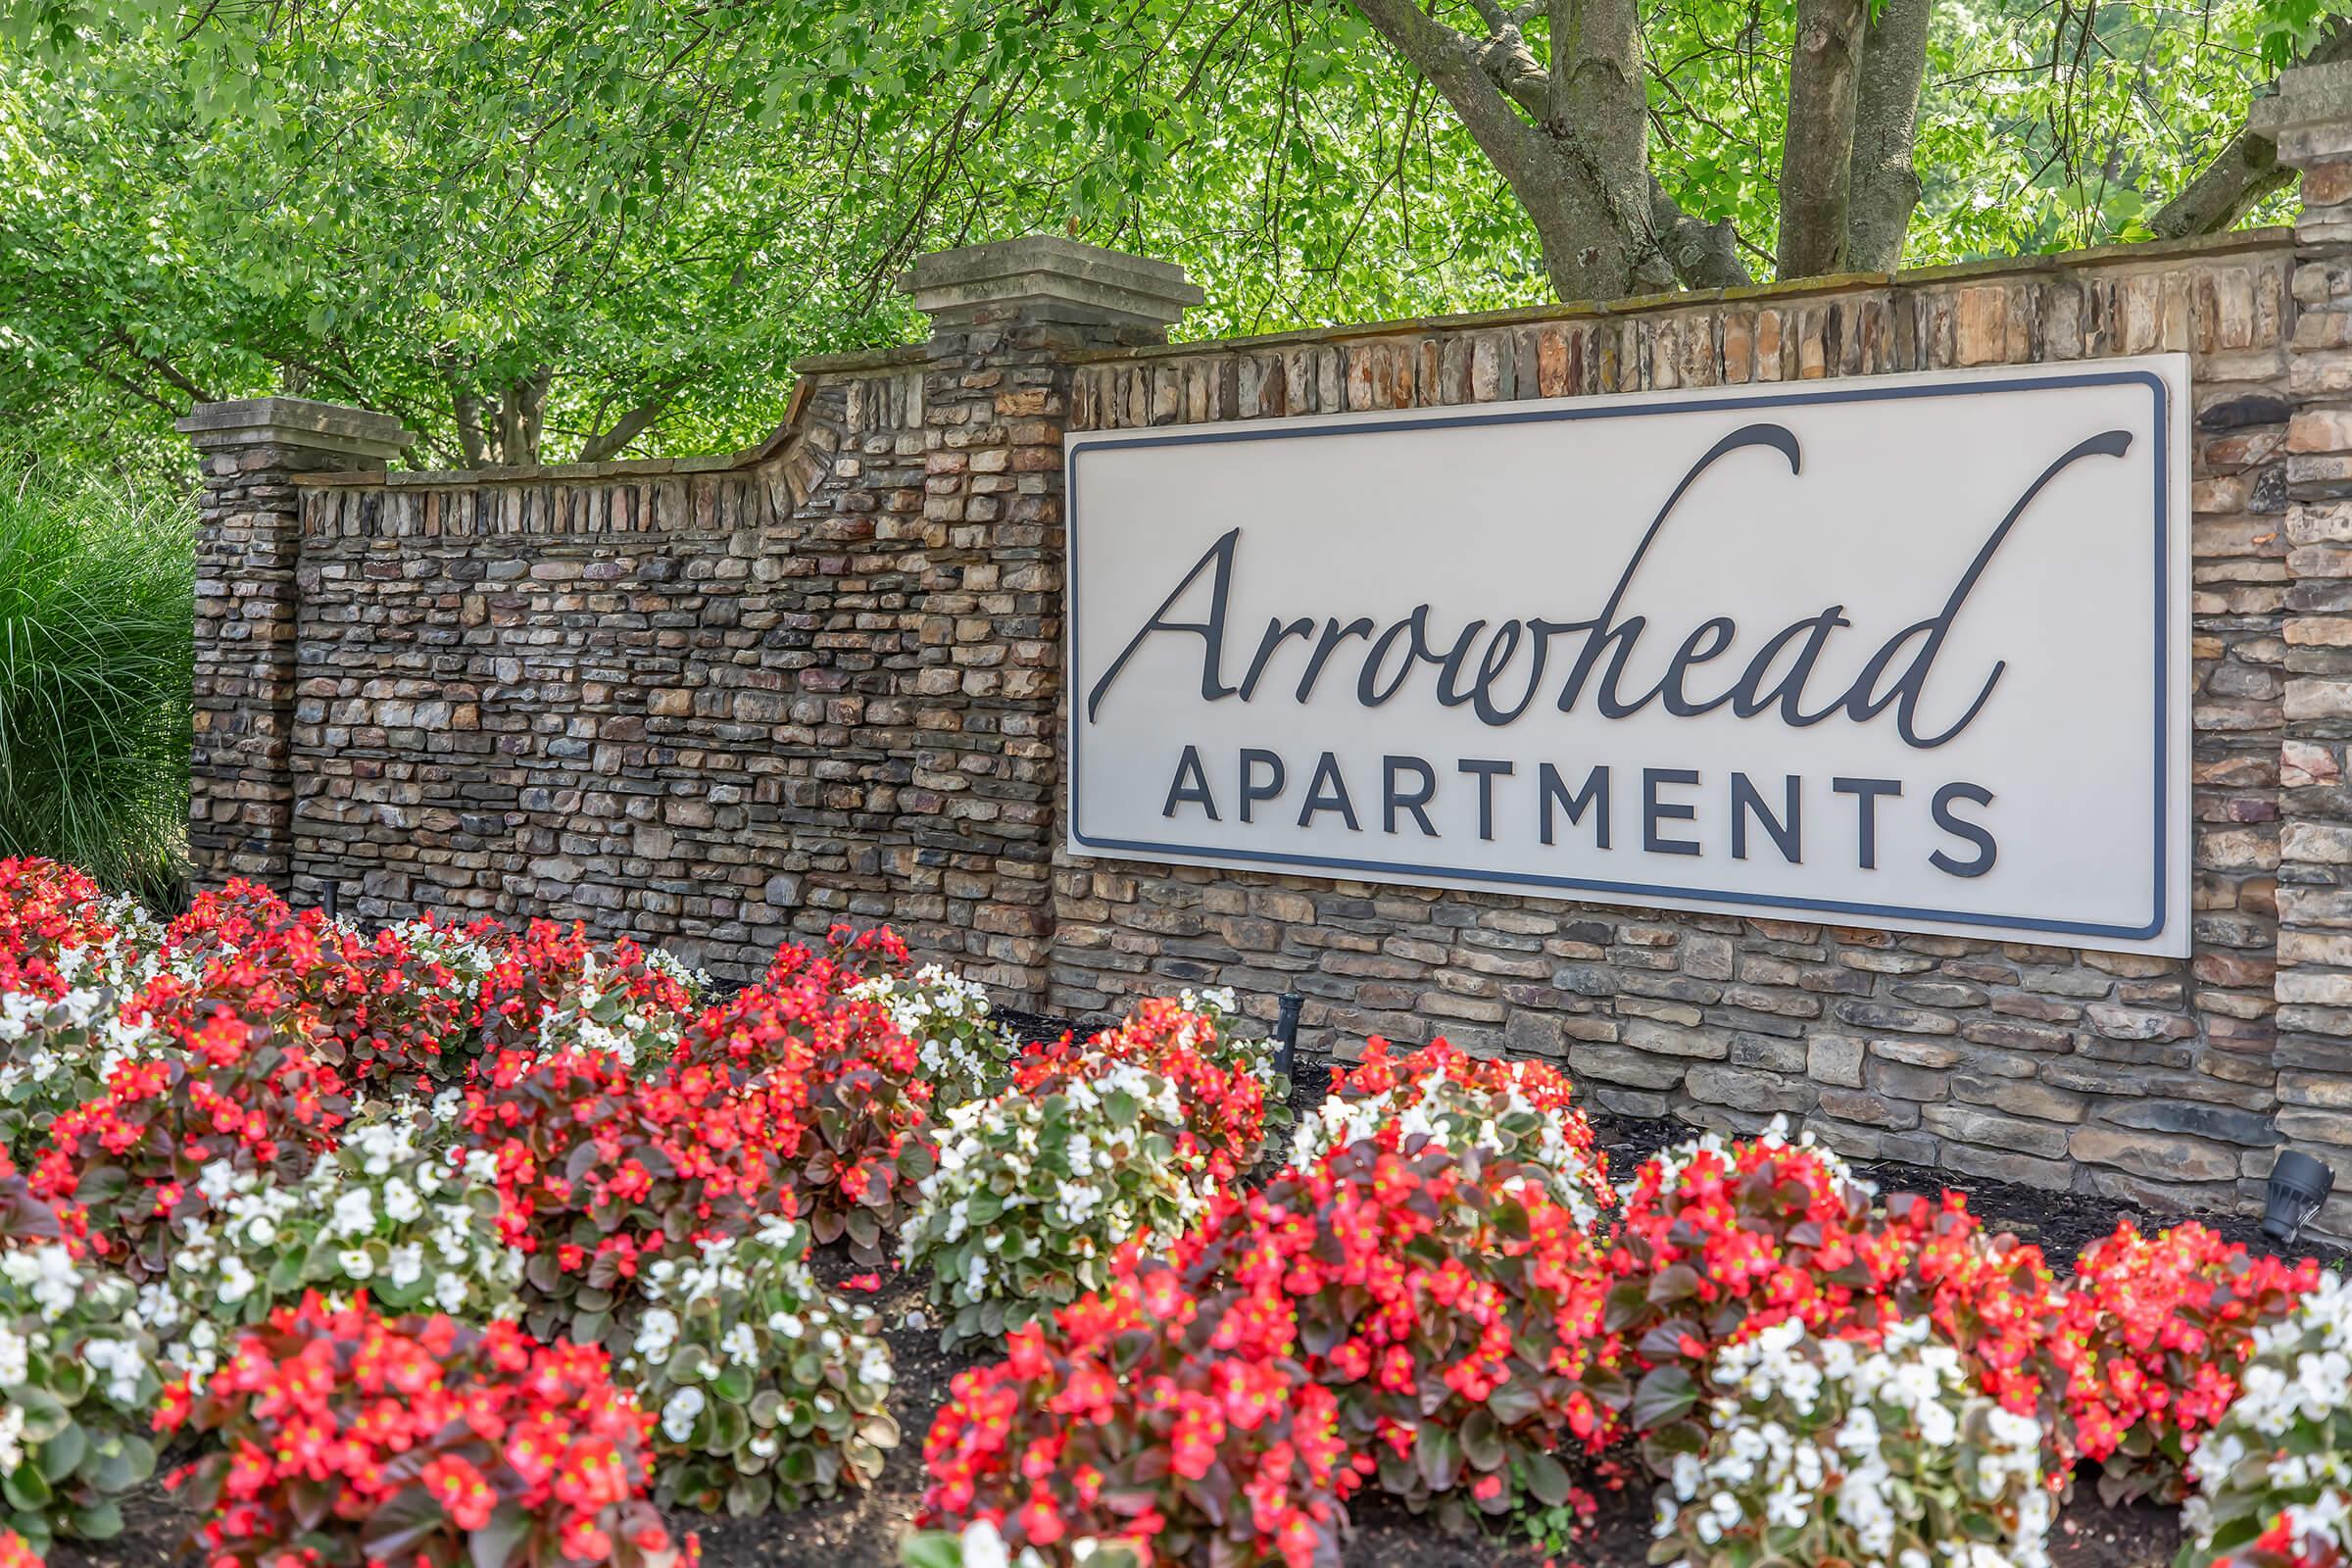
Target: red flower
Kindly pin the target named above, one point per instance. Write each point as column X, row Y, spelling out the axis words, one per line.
column 325, row 1419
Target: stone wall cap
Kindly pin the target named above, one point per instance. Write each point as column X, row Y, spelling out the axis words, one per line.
column 1049, row 277
column 296, row 422
column 2307, row 96
column 2273, row 240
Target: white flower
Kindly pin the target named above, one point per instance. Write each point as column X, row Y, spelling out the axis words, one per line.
column 655, row 1334
column 354, row 1214
column 678, row 1414
column 236, row 1282
column 983, row 1547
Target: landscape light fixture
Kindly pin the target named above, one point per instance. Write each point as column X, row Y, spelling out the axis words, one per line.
column 2298, row 1186
column 1286, row 1031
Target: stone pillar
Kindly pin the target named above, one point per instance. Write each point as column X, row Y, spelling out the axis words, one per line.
column 249, row 541
column 2311, row 115
column 1006, row 319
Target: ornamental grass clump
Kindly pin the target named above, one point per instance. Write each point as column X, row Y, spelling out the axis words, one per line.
column 1040, row 1187
column 342, row 1436
column 78, row 1388
column 97, row 630
column 1454, row 1310
column 388, row 1212
column 2274, row 1475
column 1519, row 1109
column 1828, row 1450
column 770, row 1391
column 2148, row 1345
column 1180, row 1424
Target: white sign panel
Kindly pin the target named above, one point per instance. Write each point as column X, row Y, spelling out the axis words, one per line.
column 1906, row 651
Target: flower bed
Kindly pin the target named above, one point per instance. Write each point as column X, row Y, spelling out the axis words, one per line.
column 461, row 1242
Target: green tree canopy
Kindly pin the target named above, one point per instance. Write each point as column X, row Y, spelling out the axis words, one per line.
column 554, row 229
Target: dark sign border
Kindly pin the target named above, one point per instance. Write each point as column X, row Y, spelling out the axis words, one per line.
column 1540, row 882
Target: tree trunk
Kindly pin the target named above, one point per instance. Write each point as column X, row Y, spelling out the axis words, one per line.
column 1885, row 182
column 470, row 440
column 521, row 409
column 1817, row 149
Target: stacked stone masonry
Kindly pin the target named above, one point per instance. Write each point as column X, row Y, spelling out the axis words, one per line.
column 723, row 701
column 2135, row 1076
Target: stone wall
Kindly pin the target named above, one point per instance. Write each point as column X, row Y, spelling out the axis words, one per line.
column 712, row 703
column 723, row 702
column 2127, row 1074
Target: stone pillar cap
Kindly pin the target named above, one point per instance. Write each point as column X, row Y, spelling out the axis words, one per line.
column 1047, row 277
column 2310, row 115
column 297, row 422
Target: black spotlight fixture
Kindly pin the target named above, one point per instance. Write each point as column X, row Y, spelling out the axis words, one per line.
column 1285, row 1032
column 2298, row 1186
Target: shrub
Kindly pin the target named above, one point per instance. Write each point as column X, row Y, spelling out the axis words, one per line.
column 77, row 1384
column 417, row 1439
column 1720, row 1239
column 1224, row 1078
column 1179, row 1424
column 768, row 1390
column 959, row 1047
column 121, row 1165
column 1039, row 1187
column 1831, row 1452
column 69, row 958
column 381, row 1010
column 2274, row 1475
column 1717, row 1238
column 1521, row 1110
column 386, row 1213
column 1452, row 1307
column 96, row 593
column 597, row 1168
column 551, row 989
column 2148, row 1344
column 57, row 921
column 869, row 1136
column 980, row 1544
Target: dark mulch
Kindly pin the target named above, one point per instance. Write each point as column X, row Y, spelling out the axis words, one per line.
column 862, row 1530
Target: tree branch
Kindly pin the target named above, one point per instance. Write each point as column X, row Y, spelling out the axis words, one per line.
column 1885, row 179
column 1450, row 61
column 625, row 430
column 2247, row 170
column 1703, row 255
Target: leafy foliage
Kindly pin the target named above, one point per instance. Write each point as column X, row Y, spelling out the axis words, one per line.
column 1825, row 1451
column 1176, row 1421
column 77, row 1384
column 2151, row 1338
column 534, row 226
column 1452, row 1307
column 1037, row 1189
column 771, row 1393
